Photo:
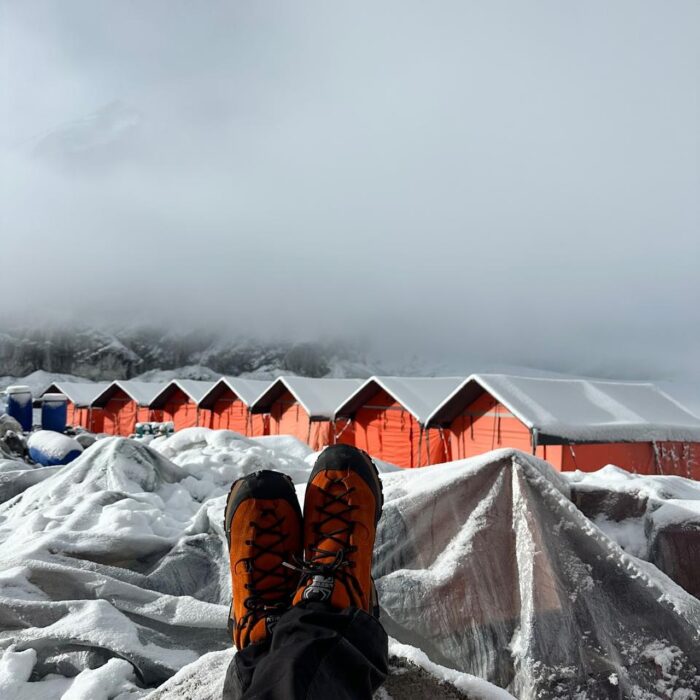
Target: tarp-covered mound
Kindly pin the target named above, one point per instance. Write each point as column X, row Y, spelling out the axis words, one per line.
column 488, row 567
column 114, row 580
column 120, row 555
column 111, row 557
column 656, row 518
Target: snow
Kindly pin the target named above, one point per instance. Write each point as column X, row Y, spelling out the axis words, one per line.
column 319, row 397
column 194, row 389
column 114, row 568
column 687, row 393
column 202, row 680
column 21, row 394
column 53, row 398
column 286, row 445
column 247, row 390
column 52, row 445
column 220, row 456
column 420, row 396
column 114, row 680
column 163, row 376
column 39, row 380
column 664, row 502
column 476, row 688
column 78, row 393
column 580, row 409
column 142, row 393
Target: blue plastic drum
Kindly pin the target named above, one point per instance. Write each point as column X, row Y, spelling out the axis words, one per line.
column 54, row 412
column 50, row 449
column 19, row 405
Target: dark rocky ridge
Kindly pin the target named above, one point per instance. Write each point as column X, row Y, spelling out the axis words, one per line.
column 108, row 355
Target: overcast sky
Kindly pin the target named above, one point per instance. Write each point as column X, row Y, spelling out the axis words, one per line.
column 488, row 181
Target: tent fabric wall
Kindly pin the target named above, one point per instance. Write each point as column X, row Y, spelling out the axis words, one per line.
column 486, row 425
column 121, row 413
column 180, row 409
column 85, row 417
column 95, row 419
column 77, row 416
column 230, row 413
column 386, row 430
column 259, row 425
column 667, row 458
column 288, row 417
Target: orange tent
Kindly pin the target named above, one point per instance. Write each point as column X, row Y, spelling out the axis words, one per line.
column 179, row 402
column 227, row 406
column 80, row 395
column 572, row 423
column 304, row 407
column 126, row 403
column 387, row 417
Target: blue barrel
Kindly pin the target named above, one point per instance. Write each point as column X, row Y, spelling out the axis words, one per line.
column 51, row 449
column 19, row 405
column 54, row 412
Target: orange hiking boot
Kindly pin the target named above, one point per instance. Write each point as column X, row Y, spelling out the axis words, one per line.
column 263, row 530
column 342, row 507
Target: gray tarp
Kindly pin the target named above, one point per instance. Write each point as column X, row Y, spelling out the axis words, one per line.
column 489, row 568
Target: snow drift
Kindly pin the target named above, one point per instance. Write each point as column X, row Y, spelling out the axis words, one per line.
column 114, row 576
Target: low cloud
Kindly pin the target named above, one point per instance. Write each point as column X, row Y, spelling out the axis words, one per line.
column 472, row 184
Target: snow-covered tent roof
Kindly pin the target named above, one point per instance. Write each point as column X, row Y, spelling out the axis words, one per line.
column 195, row 389
column 142, row 393
column 418, row 395
column 318, row 397
column 78, row 393
column 247, row 390
column 579, row 410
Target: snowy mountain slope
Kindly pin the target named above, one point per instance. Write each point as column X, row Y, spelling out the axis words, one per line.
column 114, row 574
column 40, row 380
column 124, row 353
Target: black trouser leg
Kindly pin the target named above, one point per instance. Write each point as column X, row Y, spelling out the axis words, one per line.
column 315, row 653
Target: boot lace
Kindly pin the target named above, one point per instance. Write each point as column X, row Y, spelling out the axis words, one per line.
column 334, row 508
column 268, row 587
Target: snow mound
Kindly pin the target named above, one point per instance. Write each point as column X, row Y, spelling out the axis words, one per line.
column 285, row 444
column 486, row 566
column 226, row 455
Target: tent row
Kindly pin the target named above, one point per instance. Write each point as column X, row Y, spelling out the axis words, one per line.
column 416, row 421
